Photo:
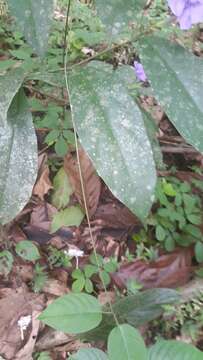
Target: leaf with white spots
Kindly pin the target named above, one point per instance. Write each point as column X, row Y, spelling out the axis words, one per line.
column 34, row 19
column 177, row 85
column 18, row 148
column 117, row 14
column 111, row 130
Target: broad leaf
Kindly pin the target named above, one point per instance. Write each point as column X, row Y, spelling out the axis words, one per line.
column 135, row 310
column 177, row 85
column 27, row 250
column 34, row 20
column 111, row 129
column 18, row 148
column 117, row 14
column 174, row 350
column 89, row 354
column 62, row 189
column 73, row 313
column 125, row 342
column 71, row 216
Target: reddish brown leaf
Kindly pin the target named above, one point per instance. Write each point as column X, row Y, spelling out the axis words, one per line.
column 43, row 183
column 92, row 182
column 115, row 216
column 170, row 270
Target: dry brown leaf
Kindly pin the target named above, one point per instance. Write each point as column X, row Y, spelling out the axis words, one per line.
column 169, row 270
column 52, row 338
column 92, row 182
column 43, row 183
column 114, row 215
column 12, row 309
column 55, row 287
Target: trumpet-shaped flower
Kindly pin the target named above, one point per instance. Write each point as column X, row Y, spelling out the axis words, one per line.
column 139, row 71
column 188, row 12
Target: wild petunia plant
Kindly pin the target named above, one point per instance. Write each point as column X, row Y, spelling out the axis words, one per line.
column 111, row 127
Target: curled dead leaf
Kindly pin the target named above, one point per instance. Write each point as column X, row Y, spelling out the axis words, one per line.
column 92, row 182
column 43, row 183
column 169, row 271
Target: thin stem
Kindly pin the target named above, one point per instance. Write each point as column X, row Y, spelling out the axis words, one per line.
column 64, row 52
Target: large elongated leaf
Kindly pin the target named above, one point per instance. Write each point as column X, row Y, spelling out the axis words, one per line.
column 176, row 77
column 18, row 148
column 174, row 350
column 34, row 19
column 73, row 313
column 111, row 129
column 116, row 14
column 125, row 342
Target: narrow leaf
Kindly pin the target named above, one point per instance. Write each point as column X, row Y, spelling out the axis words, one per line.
column 111, row 129
column 177, row 85
column 117, row 14
column 34, row 20
column 18, row 148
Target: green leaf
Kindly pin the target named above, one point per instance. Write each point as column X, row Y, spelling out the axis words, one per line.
column 168, row 189
column 71, row 216
column 169, row 243
column 62, row 189
column 174, row 350
column 73, row 313
column 61, row 146
column 193, row 230
column 44, row 356
column 78, row 285
column 105, row 277
column 34, row 19
column 77, row 274
column 125, row 342
column 90, row 354
column 89, row 286
column 178, row 86
column 117, row 14
column 135, row 310
column 6, row 262
column 160, row 233
column 90, row 270
column 152, row 129
column 18, row 147
column 195, row 219
column 111, row 129
column 27, row 250
column 96, row 260
column 199, row 251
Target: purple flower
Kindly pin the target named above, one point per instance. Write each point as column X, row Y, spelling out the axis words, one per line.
column 139, row 71
column 188, row 12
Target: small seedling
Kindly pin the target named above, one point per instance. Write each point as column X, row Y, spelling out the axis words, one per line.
column 104, row 267
column 58, row 258
column 40, row 277
column 175, row 218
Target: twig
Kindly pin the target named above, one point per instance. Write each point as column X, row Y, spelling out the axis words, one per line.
column 178, row 150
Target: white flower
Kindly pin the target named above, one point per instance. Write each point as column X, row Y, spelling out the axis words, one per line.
column 75, row 252
column 23, row 323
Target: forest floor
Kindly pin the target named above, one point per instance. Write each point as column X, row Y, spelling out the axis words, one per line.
column 42, row 259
